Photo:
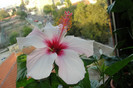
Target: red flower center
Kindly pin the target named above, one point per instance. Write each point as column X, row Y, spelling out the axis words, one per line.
column 55, row 46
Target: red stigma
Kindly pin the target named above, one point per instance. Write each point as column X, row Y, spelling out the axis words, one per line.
column 66, row 22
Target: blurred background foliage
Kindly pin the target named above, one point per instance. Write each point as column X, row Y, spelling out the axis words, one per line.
column 13, row 37
column 3, row 14
column 22, row 14
column 26, row 30
column 48, row 9
column 89, row 21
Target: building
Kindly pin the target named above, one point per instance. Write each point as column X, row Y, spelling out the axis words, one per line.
column 92, row 1
column 39, row 4
column 9, row 3
column 75, row 2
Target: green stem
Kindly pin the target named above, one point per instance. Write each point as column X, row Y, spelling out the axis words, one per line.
column 97, row 68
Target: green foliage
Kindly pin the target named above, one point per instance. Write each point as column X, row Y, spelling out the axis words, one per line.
column 21, row 80
column 122, row 5
column 14, row 12
column 69, row 4
column 121, row 72
column 125, row 32
column 26, row 30
column 39, row 84
column 88, row 61
column 93, row 21
column 12, row 38
column 22, row 14
column 85, row 83
column 57, row 14
column 22, row 5
column 21, row 67
column 110, row 60
column 58, row 3
column 88, row 21
column 54, row 80
column 3, row 14
column 116, row 67
column 48, row 9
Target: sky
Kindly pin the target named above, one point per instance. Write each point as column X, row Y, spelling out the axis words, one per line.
column 5, row 3
column 93, row 1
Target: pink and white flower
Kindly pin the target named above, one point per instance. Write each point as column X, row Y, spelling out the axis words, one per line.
column 53, row 46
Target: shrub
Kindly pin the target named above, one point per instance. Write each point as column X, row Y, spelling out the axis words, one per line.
column 69, row 4
column 22, row 14
column 26, row 30
column 93, row 21
column 14, row 12
column 58, row 3
column 3, row 14
column 48, row 9
column 12, row 38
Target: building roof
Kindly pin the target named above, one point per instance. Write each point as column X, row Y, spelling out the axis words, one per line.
column 8, row 72
column 8, row 69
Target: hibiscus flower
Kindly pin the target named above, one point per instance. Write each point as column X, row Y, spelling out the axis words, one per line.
column 53, row 46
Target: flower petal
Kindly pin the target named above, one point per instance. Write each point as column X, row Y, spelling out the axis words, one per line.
column 80, row 45
column 71, row 67
column 40, row 64
column 51, row 30
column 35, row 38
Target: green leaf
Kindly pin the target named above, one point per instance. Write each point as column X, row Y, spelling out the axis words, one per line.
column 21, row 67
column 54, row 80
column 122, row 5
column 22, row 71
column 114, row 68
column 56, row 68
column 45, row 83
column 85, row 83
column 88, row 61
column 109, row 60
column 24, row 82
column 103, row 67
column 127, row 48
column 33, row 84
column 76, row 87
